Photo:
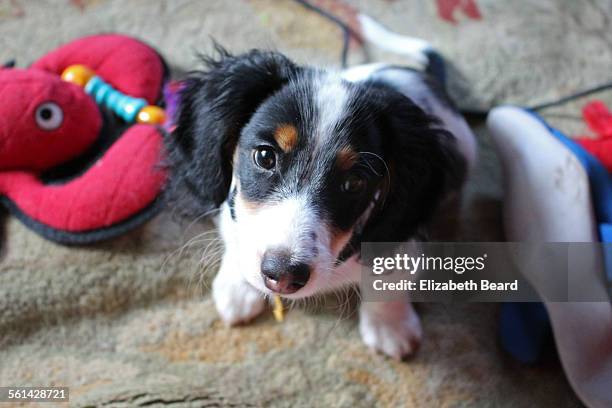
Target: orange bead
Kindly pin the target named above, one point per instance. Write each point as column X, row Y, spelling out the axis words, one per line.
column 78, row 74
column 151, row 115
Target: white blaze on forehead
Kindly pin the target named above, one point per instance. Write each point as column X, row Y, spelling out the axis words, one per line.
column 331, row 99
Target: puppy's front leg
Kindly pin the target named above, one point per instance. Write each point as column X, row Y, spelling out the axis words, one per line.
column 392, row 328
column 236, row 300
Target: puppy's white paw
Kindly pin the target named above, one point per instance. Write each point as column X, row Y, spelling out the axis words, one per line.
column 236, row 301
column 394, row 330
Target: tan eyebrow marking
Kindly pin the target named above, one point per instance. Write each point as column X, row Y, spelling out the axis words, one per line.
column 249, row 206
column 346, row 158
column 286, row 136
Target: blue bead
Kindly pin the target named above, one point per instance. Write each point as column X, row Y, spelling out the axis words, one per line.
column 92, row 85
column 102, row 93
column 112, row 98
column 132, row 107
column 119, row 101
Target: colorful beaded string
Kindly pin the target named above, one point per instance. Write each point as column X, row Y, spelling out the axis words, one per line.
column 127, row 107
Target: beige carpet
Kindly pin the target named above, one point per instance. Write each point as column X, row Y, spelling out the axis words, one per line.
column 131, row 322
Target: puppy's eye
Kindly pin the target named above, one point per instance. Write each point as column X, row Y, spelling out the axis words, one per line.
column 264, row 157
column 353, row 184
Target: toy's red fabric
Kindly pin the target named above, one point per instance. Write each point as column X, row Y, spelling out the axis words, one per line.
column 599, row 119
column 114, row 189
column 45, row 122
column 127, row 64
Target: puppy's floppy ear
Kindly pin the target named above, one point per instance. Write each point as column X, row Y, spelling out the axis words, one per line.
column 424, row 164
column 215, row 104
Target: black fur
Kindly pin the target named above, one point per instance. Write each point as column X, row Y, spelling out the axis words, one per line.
column 424, row 165
column 232, row 203
column 214, row 106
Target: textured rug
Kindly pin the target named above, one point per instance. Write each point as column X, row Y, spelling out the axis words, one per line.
column 131, row 323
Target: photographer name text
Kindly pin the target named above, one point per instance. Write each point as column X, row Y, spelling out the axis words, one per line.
column 430, row 285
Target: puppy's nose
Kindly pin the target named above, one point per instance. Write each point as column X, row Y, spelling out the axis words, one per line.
column 280, row 275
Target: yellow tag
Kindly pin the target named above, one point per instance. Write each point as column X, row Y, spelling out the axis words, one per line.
column 278, row 311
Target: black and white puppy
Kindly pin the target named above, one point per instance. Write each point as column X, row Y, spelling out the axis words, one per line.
column 305, row 165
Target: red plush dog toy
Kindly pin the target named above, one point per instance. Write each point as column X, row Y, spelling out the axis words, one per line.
column 63, row 171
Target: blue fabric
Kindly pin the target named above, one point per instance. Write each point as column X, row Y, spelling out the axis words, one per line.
column 605, row 232
column 525, row 327
column 525, row 330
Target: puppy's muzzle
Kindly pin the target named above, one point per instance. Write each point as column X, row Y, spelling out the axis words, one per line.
column 281, row 274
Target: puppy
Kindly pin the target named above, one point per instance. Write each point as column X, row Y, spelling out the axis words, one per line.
column 306, row 164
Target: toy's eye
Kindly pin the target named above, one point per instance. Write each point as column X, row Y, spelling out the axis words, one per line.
column 264, row 157
column 49, row 116
column 353, row 184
